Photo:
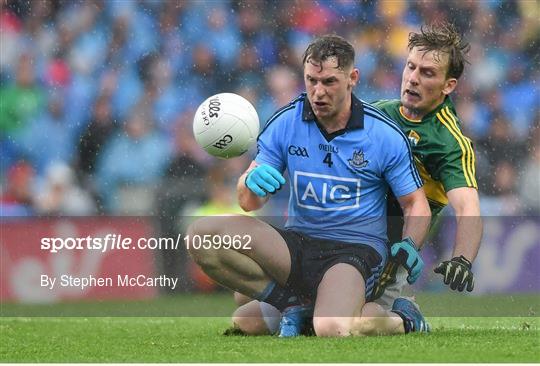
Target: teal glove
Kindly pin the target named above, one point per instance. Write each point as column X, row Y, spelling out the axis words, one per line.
column 406, row 254
column 264, row 179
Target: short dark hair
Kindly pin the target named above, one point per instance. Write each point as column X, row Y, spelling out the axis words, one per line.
column 328, row 46
column 442, row 37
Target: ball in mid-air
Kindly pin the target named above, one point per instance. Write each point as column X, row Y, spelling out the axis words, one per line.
column 226, row 125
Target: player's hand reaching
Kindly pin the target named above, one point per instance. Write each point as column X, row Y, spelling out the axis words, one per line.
column 457, row 273
column 264, row 179
column 406, row 253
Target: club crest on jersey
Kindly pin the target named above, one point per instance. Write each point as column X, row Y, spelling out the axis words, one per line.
column 357, row 161
column 414, row 137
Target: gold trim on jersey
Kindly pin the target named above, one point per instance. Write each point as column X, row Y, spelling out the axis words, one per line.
column 469, row 142
column 407, row 118
column 467, row 157
column 434, row 189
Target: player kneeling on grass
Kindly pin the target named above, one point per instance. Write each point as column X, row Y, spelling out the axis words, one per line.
column 445, row 159
column 342, row 154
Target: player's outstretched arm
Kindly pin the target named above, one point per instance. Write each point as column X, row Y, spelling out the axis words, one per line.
column 255, row 184
column 457, row 271
column 417, row 216
column 466, row 204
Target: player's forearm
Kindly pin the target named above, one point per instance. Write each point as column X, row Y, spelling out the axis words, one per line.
column 417, row 217
column 469, row 222
column 468, row 234
column 247, row 200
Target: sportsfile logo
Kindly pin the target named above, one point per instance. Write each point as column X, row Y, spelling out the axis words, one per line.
column 326, row 192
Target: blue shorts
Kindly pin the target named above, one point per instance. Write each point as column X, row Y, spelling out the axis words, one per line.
column 312, row 257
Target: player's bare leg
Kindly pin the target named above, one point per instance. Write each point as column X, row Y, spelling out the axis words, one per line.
column 375, row 320
column 249, row 319
column 350, row 315
column 253, row 271
column 340, row 298
column 240, row 299
column 256, row 318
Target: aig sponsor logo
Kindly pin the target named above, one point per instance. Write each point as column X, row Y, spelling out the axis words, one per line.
column 326, row 192
column 298, row 151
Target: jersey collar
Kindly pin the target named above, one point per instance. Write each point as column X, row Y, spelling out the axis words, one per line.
column 356, row 120
column 447, row 102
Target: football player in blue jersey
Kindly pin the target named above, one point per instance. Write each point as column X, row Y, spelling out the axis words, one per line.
column 342, row 155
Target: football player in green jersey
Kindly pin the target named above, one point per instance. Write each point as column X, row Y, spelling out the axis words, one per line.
column 444, row 158
column 446, row 162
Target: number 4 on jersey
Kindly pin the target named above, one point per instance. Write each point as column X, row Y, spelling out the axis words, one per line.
column 328, row 160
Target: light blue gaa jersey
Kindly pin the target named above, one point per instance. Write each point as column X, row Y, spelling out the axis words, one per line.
column 339, row 181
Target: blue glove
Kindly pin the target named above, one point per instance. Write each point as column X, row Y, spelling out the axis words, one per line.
column 406, row 254
column 264, row 179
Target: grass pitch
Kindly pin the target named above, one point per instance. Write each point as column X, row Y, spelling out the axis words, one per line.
column 46, row 338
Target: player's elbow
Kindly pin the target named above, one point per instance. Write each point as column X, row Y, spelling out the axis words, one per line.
column 465, row 201
column 469, row 209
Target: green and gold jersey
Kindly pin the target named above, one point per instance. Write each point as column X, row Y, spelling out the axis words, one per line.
column 444, row 156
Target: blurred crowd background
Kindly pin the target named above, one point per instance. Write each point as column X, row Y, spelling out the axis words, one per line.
column 97, row 97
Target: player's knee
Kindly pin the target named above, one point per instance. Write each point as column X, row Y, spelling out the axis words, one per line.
column 199, row 227
column 240, row 321
column 217, row 225
column 332, row 326
column 248, row 323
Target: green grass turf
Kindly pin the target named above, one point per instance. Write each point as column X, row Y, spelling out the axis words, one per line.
column 221, row 305
column 199, row 339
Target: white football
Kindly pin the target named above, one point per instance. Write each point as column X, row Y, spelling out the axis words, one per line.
column 226, row 125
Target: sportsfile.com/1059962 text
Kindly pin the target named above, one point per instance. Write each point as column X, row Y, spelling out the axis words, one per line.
column 120, row 242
